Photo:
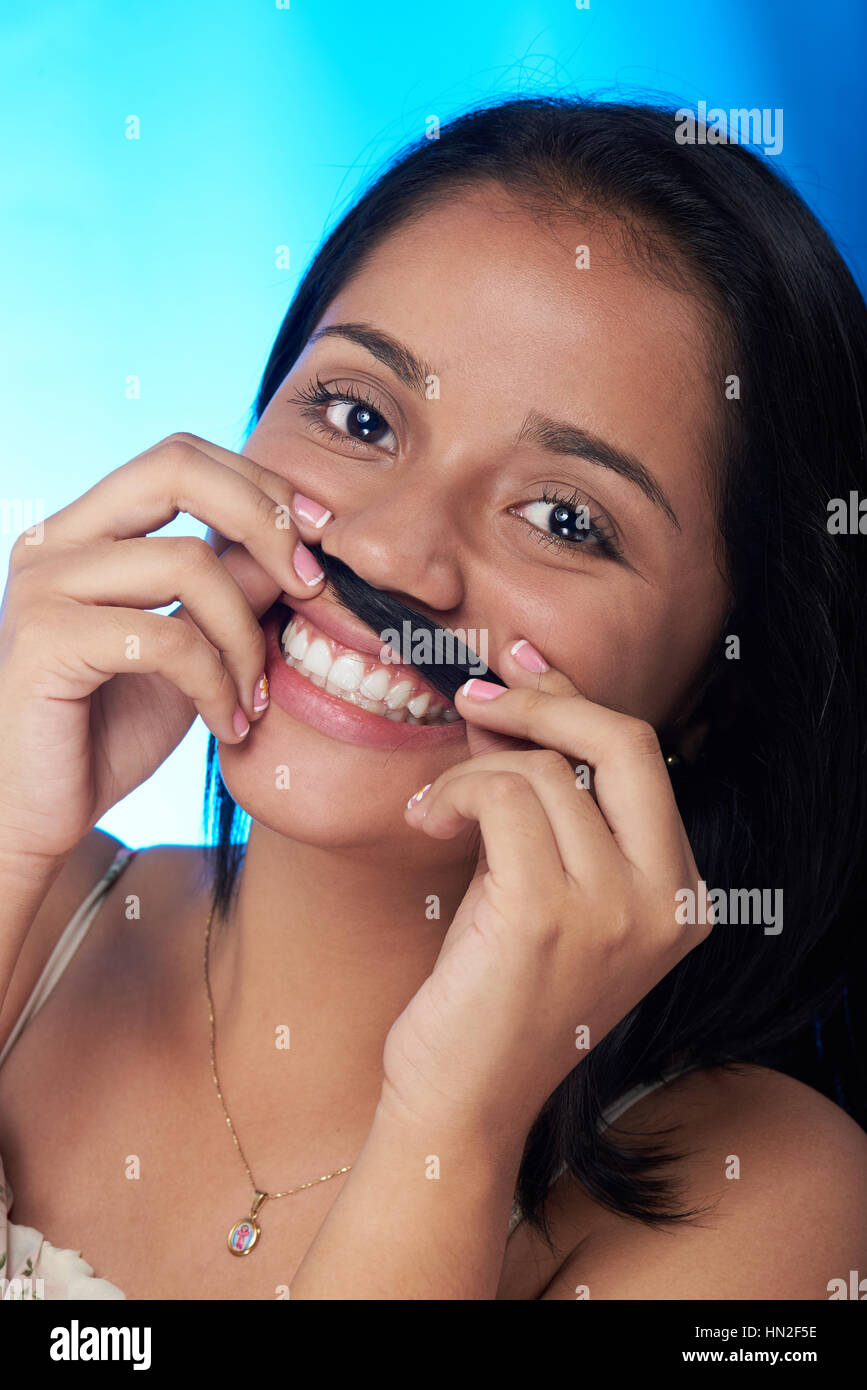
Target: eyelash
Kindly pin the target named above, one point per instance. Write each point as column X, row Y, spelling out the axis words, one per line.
column 315, row 394
column 604, row 537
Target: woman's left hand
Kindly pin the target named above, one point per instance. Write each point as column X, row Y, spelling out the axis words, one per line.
column 570, row 918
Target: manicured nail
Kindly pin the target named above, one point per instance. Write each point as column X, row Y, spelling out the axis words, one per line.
column 482, row 690
column 418, row 795
column 261, row 695
column 310, row 511
column 240, row 722
column 305, row 565
column 527, row 656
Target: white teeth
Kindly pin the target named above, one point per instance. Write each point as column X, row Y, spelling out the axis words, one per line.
column 317, row 660
column 299, row 641
column 375, row 685
column 398, row 695
column 343, row 676
column 373, row 706
column 346, row 673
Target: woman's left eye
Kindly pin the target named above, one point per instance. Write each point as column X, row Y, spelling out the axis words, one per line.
column 565, row 521
column 347, row 415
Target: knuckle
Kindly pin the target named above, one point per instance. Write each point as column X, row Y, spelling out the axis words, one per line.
column 275, row 488
column 182, row 438
column 550, row 763
column 510, row 786
column 195, row 554
column 19, row 554
column 175, row 453
column 272, row 515
column 24, row 576
column 535, row 698
column 639, row 737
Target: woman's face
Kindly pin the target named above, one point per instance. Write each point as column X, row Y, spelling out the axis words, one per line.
column 584, row 384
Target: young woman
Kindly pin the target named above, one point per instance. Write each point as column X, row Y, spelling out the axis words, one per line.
column 564, row 382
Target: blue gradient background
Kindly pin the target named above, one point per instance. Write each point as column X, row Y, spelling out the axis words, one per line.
column 156, row 257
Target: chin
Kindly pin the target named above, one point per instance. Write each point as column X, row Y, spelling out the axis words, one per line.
column 314, row 789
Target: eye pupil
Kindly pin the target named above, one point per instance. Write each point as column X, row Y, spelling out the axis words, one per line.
column 363, row 422
column 564, row 520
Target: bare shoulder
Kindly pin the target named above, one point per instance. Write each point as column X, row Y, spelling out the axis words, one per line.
column 150, row 887
column 776, row 1174
column 82, row 870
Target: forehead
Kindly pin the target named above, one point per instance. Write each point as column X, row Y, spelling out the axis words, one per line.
column 490, row 295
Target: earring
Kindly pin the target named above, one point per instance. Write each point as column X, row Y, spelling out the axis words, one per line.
column 673, row 760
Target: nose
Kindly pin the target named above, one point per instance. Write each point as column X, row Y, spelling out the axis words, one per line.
column 403, row 543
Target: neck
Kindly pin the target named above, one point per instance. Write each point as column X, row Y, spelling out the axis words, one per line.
column 330, row 944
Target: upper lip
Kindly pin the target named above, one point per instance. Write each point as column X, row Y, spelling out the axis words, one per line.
column 327, row 616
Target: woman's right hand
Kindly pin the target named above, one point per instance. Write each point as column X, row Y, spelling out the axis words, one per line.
column 95, row 691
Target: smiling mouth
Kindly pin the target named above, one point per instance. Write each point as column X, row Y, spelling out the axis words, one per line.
column 392, row 691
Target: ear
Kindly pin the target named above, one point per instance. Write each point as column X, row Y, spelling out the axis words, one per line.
column 714, row 705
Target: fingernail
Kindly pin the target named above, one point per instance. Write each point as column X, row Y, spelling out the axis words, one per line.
column 261, row 695
column 418, row 795
column 527, row 656
column 478, row 689
column 310, row 511
column 240, row 722
column 305, row 565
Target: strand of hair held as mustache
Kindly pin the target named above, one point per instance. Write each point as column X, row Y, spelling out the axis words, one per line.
column 381, row 612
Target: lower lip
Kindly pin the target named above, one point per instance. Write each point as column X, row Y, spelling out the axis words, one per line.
column 338, row 718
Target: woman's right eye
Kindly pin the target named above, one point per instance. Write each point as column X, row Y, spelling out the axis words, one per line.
column 345, row 415
column 360, row 421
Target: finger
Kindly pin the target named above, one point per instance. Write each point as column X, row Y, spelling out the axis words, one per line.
column 128, row 641
column 584, row 841
column 630, row 779
column 303, row 509
column 517, row 675
column 519, row 844
column 149, row 573
column 245, row 502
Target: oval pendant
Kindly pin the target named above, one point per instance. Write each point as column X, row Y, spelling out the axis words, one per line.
column 243, row 1237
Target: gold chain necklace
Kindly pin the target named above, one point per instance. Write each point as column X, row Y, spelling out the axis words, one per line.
column 244, row 1234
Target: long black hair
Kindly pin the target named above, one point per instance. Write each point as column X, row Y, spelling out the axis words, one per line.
column 778, row 798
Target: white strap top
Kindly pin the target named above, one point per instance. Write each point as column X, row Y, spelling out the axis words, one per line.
column 33, row 1266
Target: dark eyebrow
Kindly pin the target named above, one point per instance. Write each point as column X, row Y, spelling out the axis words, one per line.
column 408, row 368
column 555, row 435
column 562, row 438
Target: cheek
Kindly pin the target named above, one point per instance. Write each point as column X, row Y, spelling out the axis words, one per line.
column 638, row 661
